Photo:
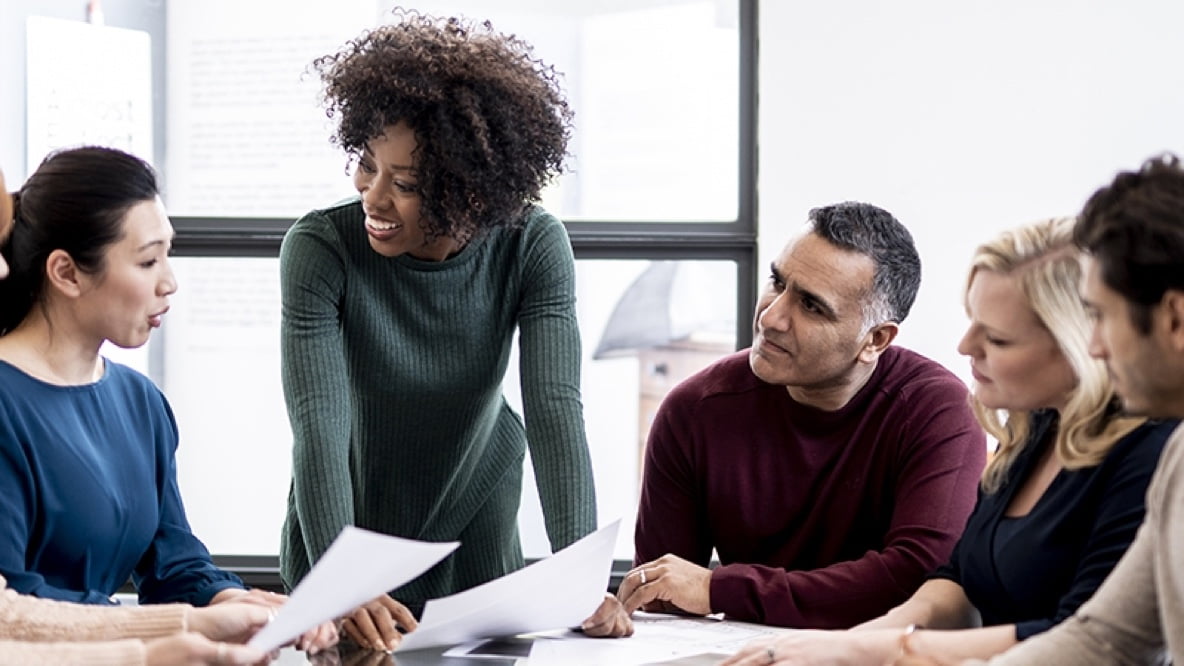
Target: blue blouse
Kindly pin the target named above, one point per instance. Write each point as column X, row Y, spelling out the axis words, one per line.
column 90, row 493
column 1035, row 570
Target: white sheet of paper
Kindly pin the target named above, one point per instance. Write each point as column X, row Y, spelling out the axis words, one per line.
column 86, row 84
column 559, row 591
column 358, row 566
column 240, row 109
column 657, row 638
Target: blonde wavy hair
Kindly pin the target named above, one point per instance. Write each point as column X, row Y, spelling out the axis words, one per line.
column 1044, row 261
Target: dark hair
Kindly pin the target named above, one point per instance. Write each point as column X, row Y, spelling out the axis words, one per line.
column 874, row 232
column 1134, row 229
column 75, row 201
column 490, row 119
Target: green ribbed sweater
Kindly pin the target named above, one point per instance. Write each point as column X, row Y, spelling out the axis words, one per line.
column 392, row 372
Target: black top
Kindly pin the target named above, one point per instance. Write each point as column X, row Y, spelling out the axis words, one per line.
column 1035, row 570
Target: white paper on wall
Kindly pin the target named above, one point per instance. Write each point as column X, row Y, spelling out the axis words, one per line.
column 86, row 84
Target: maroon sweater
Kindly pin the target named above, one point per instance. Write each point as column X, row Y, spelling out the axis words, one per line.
column 820, row 519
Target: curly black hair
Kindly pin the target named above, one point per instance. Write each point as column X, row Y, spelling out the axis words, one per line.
column 491, row 121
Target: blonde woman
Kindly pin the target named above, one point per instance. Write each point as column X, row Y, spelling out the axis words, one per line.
column 1061, row 498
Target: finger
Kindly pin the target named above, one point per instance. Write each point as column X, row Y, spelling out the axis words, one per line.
column 402, row 615
column 629, row 583
column 659, row 606
column 355, row 634
column 261, row 598
column 364, row 622
column 623, row 625
column 326, row 637
column 257, row 617
column 643, row 595
column 384, row 622
column 604, row 614
column 314, row 640
column 598, row 628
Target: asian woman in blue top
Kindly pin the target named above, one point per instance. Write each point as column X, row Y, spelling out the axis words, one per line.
column 87, row 445
column 1062, row 496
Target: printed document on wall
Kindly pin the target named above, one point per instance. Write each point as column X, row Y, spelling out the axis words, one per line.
column 246, row 132
column 86, row 84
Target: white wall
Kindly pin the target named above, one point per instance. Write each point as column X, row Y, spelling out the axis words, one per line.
column 962, row 118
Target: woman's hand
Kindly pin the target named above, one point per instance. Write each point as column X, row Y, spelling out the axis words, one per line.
column 312, row 641
column 376, row 624
column 609, row 621
column 816, row 648
column 234, row 622
column 192, row 649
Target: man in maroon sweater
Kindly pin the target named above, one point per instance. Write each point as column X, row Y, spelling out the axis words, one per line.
column 828, row 469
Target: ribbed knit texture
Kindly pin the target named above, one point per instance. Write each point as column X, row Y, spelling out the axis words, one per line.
column 26, row 618
column 112, row 653
column 392, row 371
column 86, row 634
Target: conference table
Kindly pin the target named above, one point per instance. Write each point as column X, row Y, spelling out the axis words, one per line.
column 668, row 640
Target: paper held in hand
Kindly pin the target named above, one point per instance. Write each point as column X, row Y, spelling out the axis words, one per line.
column 557, row 592
column 358, row 566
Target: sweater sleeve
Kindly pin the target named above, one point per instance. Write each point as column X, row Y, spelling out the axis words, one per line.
column 315, row 382
column 113, row 653
column 176, row 567
column 18, row 511
column 1117, row 521
column 28, row 618
column 550, row 379
column 670, row 518
column 950, row 569
column 942, row 454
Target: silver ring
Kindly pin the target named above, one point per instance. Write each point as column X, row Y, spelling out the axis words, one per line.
column 642, row 571
column 772, row 656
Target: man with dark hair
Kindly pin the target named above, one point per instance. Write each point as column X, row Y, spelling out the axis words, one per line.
column 1133, row 283
column 830, row 470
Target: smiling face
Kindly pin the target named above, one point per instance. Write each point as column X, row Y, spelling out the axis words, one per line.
column 1016, row 362
column 388, row 182
column 809, row 324
column 128, row 298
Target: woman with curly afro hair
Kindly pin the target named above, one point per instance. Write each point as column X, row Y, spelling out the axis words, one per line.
column 400, row 306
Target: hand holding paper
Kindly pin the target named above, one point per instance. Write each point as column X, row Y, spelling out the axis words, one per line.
column 358, row 566
column 556, row 592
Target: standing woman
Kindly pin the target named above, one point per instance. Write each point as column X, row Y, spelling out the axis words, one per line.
column 400, row 306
